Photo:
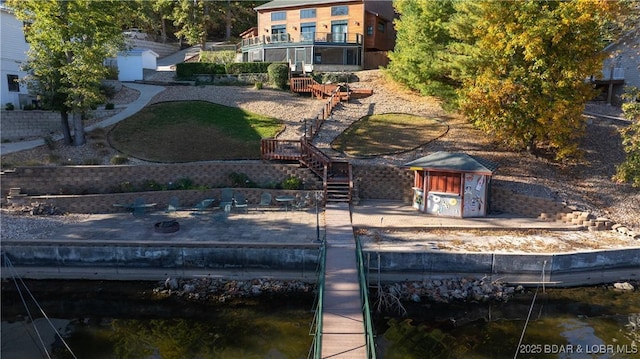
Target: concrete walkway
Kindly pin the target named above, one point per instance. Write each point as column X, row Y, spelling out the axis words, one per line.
column 147, row 92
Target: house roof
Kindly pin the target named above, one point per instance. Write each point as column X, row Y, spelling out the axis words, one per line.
column 138, row 52
column 448, row 161
column 275, row 4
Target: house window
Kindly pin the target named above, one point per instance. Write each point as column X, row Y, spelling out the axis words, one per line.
column 278, row 16
column 381, row 26
column 12, row 81
column 339, row 31
column 307, row 31
column 279, row 33
column 307, row 13
column 445, row 182
column 369, row 30
column 339, row 10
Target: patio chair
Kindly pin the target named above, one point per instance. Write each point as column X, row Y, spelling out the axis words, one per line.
column 240, row 201
column 303, row 203
column 265, row 200
column 139, row 207
column 226, row 198
column 173, row 206
column 203, row 206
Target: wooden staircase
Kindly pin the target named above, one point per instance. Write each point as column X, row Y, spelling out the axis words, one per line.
column 336, row 175
column 339, row 183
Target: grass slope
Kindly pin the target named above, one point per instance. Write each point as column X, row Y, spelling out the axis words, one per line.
column 387, row 133
column 193, row 131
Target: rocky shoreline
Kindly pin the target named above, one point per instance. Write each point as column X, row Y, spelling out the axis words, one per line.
column 437, row 291
column 444, row 291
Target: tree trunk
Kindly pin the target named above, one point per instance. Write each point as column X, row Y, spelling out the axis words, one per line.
column 66, row 131
column 203, row 41
column 228, row 22
column 78, row 130
column 164, row 30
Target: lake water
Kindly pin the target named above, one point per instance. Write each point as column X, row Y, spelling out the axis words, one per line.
column 593, row 322
column 112, row 320
column 101, row 321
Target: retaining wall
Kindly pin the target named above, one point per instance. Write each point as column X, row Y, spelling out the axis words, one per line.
column 579, row 268
column 66, row 180
column 17, row 125
column 298, row 261
column 63, row 185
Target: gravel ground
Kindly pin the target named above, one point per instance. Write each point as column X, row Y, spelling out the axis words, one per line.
column 586, row 184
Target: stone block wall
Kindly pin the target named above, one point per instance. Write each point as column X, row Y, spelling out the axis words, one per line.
column 79, row 180
column 93, row 189
column 17, row 125
column 187, row 199
column 383, row 182
column 507, row 201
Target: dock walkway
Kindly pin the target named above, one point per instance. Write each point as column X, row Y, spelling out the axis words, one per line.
column 343, row 332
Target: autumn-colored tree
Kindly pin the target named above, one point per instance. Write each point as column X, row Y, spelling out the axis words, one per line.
column 629, row 170
column 69, row 41
column 525, row 78
column 418, row 60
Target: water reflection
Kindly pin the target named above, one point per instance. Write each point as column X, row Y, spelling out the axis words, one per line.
column 569, row 323
column 117, row 325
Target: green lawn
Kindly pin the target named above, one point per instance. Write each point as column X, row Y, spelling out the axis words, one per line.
column 193, row 131
column 388, row 133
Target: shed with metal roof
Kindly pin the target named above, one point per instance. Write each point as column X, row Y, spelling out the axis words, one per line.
column 452, row 184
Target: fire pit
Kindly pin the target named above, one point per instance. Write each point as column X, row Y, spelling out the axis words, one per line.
column 167, row 226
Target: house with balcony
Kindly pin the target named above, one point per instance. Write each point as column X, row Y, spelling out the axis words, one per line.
column 322, row 35
column 13, row 53
column 621, row 68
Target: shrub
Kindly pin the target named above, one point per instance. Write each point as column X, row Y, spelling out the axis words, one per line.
column 185, row 70
column 248, row 67
column 126, row 187
column 112, row 73
column 119, row 160
column 108, row 91
column 241, row 180
column 258, row 85
column 109, row 106
column 336, row 77
column 92, row 161
column 9, row 106
column 278, row 74
column 51, row 144
column 218, row 57
column 181, row 183
column 151, row 185
column 292, row 183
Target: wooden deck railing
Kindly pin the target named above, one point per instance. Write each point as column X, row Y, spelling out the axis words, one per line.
column 313, row 158
column 301, row 84
column 282, row 150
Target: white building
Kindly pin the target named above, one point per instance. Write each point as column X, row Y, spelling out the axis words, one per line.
column 622, row 66
column 131, row 64
column 13, row 52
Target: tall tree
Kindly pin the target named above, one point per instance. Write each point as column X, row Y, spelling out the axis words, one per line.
column 629, row 170
column 193, row 19
column 418, row 60
column 526, row 68
column 69, row 42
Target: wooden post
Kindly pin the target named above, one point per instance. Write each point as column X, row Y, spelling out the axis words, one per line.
column 610, row 90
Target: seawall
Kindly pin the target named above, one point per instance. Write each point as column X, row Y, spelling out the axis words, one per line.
column 158, row 260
